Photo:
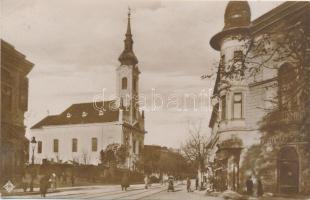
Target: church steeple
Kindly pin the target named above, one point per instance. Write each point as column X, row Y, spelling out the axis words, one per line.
column 128, row 57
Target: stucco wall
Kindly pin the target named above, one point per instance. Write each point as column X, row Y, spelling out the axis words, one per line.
column 105, row 133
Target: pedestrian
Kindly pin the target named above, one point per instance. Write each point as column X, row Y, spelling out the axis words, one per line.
column 170, row 184
column 54, row 181
column 260, row 190
column 125, row 182
column 44, row 183
column 188, row 184
column 249, row 186
column 197, row 183
column 146, row 181
column 72, row 180
column 64, row 177
column 24, row 183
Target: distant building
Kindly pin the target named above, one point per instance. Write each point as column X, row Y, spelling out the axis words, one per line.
column 80, row 132
column 14, row 104
column 238, row 110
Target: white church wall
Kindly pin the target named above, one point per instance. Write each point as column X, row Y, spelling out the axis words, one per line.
column 105, row 133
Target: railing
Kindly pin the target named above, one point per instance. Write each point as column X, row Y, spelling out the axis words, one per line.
column 292, row 116
column 288, row 115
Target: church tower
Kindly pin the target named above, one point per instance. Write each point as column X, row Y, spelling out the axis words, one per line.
column 128, row 78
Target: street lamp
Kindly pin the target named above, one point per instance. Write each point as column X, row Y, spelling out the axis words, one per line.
column 33, row 143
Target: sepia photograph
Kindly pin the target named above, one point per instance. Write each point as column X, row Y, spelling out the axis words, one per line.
column 155, row 99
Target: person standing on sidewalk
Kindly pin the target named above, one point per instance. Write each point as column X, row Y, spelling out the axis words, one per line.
column 72, row 180
column 44, row 183
column 197, row 183
column 146, row 181
column 24, row 183
column 54, row 181
column 249, row 186
column 260, row 190
column 125, row 182
column 188, row 184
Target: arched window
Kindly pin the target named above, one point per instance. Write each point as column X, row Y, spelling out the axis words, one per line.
column 39, row 146
column 74, row 145
column 124, row 83
column 223, row 108
column 55, row 145
column 286, row 80
column 135, row 84
column 237, row 106
column 94, row 144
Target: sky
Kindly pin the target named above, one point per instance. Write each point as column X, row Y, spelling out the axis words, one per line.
column 75, row 45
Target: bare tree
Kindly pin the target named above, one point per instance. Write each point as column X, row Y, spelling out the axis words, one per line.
column 85, row 157
column 194, row 149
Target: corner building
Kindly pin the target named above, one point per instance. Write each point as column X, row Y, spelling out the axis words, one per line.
column 237, row 111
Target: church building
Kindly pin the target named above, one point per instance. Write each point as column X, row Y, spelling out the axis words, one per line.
column 81, row 131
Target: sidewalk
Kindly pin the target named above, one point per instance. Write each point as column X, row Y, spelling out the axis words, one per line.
column 237, row 196
column 20, row 192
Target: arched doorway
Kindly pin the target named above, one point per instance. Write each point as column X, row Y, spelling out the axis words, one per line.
column 288, row 170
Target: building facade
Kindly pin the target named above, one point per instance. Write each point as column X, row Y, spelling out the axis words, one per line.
column 242, row 100
column 80, row 132
column 14, row 103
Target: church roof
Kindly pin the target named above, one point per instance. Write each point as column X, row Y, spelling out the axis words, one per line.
column 82, row 113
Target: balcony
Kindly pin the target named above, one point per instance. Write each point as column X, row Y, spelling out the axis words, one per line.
column 292, row 115
column 277, row 120
column 288, row 116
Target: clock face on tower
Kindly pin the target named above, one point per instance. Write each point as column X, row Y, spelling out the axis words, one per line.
column 124, row 71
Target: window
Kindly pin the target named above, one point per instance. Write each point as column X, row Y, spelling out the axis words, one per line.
column 223, row 100
column 286, row 77
column 238, row 56
column 6, row 97
column 237, row 106
column 23, row 95
column 39, row 146
column 137, row 147
column 124, row 83
column 222, row 63
column 134, row 146
column 94, row 144
column 69, row 115
column 140, row 147
column 74, row 145
column 135, row 84
column 134, row 114
column 55, row 146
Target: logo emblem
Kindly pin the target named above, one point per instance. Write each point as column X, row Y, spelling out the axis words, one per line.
column 9, row 187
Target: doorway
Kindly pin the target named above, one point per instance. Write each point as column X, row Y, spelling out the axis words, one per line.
column 288, row 170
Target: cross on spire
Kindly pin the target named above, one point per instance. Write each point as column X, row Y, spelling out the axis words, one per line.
column 128, row 33
column 128, row 57
column 129, row 10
